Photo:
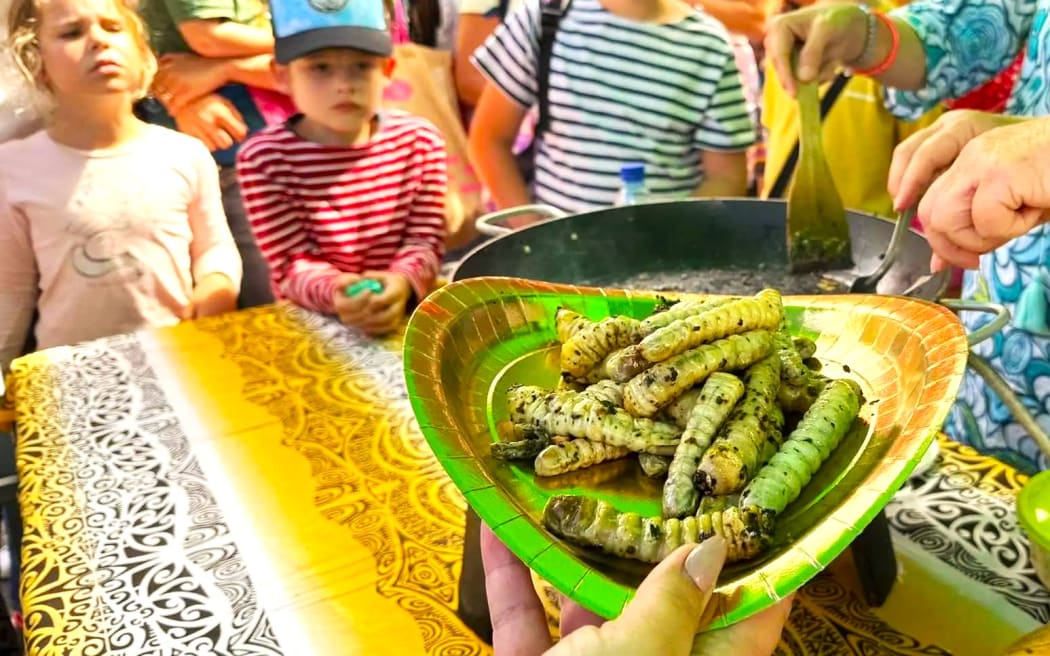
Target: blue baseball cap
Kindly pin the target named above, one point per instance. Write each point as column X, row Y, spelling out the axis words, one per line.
column 304, row 26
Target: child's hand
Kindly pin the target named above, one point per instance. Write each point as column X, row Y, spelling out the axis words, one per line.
column 214, row 294
column 373, row 314
column 387, row 309
column 351, row 310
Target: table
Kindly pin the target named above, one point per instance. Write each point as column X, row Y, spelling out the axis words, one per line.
column 256, row 484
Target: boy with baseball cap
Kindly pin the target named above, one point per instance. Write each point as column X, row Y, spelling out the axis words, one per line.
column 343, row 191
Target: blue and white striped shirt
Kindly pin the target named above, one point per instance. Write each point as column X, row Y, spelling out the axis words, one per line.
column 621, row 91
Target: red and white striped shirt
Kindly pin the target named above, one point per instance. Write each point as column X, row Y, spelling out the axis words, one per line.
column 319, row 211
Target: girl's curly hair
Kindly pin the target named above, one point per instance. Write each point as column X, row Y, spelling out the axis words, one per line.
column 23, row 41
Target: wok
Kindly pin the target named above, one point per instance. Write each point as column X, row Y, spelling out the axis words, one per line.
column 611, row 245
column 607, row 247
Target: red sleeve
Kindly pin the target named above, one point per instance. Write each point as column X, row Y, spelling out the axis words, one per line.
column 296, row 273
column 993, row 95
column 419, row 256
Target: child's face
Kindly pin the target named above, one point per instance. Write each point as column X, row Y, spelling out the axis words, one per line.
column 338, row 88
column 87, row 49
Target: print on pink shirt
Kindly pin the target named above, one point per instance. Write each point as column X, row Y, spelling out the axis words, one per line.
column 103, row 248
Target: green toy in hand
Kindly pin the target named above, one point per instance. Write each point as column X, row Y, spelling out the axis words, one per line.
column 365, row 284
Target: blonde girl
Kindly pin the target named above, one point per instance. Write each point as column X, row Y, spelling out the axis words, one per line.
column 107, row 224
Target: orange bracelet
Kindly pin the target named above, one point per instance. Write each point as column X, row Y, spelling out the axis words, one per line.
column 891, row 56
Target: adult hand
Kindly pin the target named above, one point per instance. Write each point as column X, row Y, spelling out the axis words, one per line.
column 183, row 77
column 831, row 36
column 214, row 294
column 662, row 619
column 926, row 154
column 997, row 189
column 212, row 119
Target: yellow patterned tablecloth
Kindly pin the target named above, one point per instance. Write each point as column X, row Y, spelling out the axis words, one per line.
column 256, row 484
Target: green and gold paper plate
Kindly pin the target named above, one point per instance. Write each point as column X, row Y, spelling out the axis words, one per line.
column 470, row 341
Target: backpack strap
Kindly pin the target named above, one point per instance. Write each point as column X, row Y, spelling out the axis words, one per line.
column 551, row 14
column 826, row 103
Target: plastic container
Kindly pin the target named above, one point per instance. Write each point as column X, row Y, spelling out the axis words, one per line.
column 632, row 184
column 364, row 284
column 1033, row 513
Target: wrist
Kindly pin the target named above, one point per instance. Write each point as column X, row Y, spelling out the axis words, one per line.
column 867, row 35
column 881, row 52
column 406, row 282
column 229, row 70
column 216, row 279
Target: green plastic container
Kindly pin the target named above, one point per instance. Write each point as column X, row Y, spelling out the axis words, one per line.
column 1033, row 513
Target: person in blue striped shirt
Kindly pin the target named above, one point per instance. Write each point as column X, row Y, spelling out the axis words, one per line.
column 650, row 81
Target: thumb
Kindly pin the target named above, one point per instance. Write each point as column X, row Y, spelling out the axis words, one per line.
column 671, row 600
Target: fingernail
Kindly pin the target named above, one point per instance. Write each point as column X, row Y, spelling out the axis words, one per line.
column 704, row 563
column 805, row 72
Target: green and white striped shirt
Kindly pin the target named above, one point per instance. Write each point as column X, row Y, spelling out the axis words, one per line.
column 622, row 91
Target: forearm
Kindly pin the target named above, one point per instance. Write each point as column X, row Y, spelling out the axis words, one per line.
column 220, row 259
column 18, row 316
column 419, row 256
column 722, row 187
column 223, row 38
column 495, row 164
column 472, row 31
column 310, row 284
column 725, row 175
column 420, row 267
column 253, row 71
column 469, row 82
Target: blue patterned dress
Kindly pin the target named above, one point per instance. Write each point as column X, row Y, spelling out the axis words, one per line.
column 968, row 42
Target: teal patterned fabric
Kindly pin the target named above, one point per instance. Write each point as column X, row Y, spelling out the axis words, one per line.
column 967, row 43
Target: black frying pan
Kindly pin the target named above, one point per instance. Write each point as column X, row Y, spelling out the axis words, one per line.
column 610, row 245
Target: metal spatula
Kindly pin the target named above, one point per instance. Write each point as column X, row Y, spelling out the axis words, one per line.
column 817, row 232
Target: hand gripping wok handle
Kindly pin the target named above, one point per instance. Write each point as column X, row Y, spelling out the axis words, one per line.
column 1002, row 317
column 488, row 224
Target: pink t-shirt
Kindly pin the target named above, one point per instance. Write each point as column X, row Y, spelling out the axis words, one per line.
column 106, row 242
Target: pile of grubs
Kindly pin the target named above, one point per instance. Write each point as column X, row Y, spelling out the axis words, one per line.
column 699, row 390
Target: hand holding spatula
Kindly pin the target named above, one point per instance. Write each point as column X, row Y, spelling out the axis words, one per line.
column 817, row 231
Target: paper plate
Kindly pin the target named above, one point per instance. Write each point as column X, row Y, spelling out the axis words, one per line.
column 471, row 340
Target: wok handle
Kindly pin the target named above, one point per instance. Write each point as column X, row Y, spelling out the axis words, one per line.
column 902, row 225
column 1021, row 414
column 487, row 224
column 1002, row 317
column 993, row 378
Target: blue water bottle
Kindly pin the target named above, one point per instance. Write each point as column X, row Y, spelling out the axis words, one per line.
column 632, row 184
